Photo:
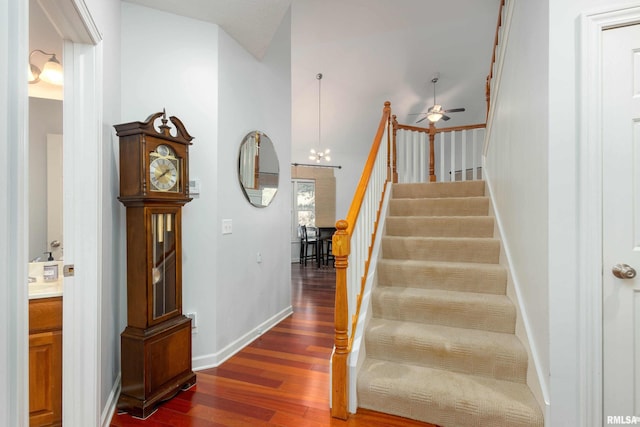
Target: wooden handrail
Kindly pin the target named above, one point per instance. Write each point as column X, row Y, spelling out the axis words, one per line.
column 440, row 130
column 341, row 247
column 493, row 56
column 358, row 197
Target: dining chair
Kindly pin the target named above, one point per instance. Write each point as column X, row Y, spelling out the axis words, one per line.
column 308, row 239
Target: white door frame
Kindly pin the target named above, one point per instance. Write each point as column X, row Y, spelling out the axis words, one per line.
column 590, row 203
column 14, row 149
column 83, row 148
column 82, row 118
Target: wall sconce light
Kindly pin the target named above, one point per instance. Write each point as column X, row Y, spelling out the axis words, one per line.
column 51, row 72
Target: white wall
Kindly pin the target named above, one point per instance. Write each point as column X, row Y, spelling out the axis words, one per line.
column 220, row 92
column 516, row 169
column 253, row 96
column 106, row 13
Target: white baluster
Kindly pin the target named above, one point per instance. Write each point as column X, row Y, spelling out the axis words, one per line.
column 443, row 175
column 464, row 155
column 453, row 156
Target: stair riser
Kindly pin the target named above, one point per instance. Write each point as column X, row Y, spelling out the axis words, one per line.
column 456, row 189
column 440, row 227
column 475, row 358
column 460, row 314
column 445, row 398
column 439, row 207
column 442, row 249
column 453, row 278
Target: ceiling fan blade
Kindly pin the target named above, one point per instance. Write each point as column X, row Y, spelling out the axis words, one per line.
column 415, row 114
column 445, row 118
column 454, row 110
column 418, row 121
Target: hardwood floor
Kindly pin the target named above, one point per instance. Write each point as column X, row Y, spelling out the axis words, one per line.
column 281, row 379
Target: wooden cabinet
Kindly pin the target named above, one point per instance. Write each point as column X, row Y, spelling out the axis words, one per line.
column 45, row 362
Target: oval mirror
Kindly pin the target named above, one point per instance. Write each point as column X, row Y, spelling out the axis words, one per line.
column 258, row 169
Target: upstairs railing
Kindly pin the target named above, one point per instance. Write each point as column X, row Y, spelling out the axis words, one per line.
column 438, row 154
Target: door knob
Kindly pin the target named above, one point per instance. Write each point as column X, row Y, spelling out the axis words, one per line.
column 623, row 271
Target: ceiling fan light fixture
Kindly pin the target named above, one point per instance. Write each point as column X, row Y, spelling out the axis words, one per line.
column 434, row 116
column 435, row 113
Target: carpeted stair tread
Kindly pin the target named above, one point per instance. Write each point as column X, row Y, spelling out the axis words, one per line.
column 457, row 249
column 440, row 340
column 468, row 351
column 439, row 189
column 445, row 398
column 434, row 306
column 440, row 226
column 452, row 276
column 456, row 206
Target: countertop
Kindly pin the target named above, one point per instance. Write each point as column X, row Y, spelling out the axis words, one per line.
column 41, row 288
column 45, row 289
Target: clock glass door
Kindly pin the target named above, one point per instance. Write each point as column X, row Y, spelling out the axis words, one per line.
column 164, row 274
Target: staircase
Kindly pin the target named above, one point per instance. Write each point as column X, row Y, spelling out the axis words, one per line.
column 440, row 344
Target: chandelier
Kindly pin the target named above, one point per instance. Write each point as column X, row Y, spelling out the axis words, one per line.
column 319, row 155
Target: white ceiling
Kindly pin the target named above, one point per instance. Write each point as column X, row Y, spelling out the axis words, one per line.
column 252, row 23
column 368, row 50
column 417, row 39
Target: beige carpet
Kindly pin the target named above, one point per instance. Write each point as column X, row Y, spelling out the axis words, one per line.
column 440, row 345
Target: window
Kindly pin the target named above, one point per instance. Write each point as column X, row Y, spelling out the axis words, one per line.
column 304, row 204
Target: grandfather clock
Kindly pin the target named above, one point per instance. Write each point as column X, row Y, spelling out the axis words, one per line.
column 156, row 344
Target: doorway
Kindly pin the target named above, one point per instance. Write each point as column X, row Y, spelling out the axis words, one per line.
column 621, row 222
column 594, row 264
column 82, row 163
column 45, row 107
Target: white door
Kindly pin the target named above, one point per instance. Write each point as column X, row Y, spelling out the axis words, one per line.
column 621, row 223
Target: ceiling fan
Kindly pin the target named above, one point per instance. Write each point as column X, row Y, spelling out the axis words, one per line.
column 436, row 112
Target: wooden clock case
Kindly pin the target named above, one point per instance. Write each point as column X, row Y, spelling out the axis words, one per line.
column 156, row 344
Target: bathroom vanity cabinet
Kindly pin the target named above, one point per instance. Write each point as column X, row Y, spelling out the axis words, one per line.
column 45, row 361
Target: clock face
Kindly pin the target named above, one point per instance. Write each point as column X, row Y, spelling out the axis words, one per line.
column 164, row 170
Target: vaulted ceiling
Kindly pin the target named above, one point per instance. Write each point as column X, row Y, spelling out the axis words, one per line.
column 369, row 51
column 390, row 49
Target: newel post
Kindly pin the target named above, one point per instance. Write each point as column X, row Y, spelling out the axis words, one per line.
column 432, row 155
column 387, row 112
column 339, row 391
column 394, row 123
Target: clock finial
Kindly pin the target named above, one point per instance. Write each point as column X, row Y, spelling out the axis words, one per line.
column 164, row 128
